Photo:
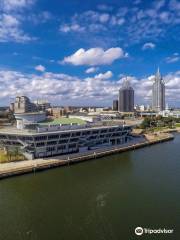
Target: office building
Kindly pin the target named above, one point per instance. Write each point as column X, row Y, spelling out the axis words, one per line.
column 23, row 104
column 158, row 93
column 115, row 105
column 126, row 97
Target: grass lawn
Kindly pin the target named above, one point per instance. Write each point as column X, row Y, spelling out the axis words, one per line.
column 157, row 129
column 63, row 121
column 177, row 124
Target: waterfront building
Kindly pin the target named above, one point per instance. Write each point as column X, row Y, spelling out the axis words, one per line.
column 30, row 118
column 26, row 113
column 55, row 140
column 126, row 97
column 23, row 104
column 158, row 93
column 115, row 105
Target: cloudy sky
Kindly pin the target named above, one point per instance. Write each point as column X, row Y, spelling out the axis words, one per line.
column 78, row 52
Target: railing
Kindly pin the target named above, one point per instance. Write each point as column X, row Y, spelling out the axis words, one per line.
column 74, row 127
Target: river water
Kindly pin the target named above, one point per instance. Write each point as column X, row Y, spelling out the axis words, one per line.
column 103, row 199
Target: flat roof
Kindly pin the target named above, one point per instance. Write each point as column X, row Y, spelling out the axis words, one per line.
column 62, row 121
column 25, row 132
column 29, row 113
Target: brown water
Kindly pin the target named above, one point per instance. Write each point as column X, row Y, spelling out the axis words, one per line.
column 103, row 199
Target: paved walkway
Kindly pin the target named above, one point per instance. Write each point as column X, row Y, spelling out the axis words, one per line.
column 20, row 167
column 11, row 166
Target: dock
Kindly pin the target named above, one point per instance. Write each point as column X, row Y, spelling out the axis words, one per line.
column 32, row 166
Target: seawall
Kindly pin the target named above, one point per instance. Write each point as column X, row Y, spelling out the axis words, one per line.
column 33, row 166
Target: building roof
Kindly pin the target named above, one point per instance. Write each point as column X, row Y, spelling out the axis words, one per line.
column 26, row 132
column 63, row 121
column 126, row 84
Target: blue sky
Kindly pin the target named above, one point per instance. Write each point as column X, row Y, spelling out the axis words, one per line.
column 78, row 52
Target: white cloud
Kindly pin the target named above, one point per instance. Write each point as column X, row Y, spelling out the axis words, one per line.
column 71, row 28
column 174, row 5
column 115, row 21
column 104, row 7
column 40, row 68
column 92, row 70
column 133, row 25
column 104, row 17
column 10, row 29
column 174, row 58
column 148, row 45
column 11, row 19
column 136, row 2
column 159, row 4
column 105, row 75
column 95, row 56
column 98, row 90
column 165, row 17
column 13, row 5
column 39, row 18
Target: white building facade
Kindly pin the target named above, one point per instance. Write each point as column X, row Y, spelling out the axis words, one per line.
column 158, row 93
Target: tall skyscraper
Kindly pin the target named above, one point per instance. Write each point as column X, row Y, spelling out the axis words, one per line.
column 126, row 97
column 158, row 93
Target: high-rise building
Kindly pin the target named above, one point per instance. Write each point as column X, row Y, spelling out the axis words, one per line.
column 126, row 97
column 115, row 105
column 23, row 105
column 158, row 93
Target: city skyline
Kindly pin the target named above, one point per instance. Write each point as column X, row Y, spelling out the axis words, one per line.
column 76, row 53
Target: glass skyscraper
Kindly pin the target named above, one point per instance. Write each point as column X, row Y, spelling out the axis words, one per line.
column 126, row 97
column 158, row 93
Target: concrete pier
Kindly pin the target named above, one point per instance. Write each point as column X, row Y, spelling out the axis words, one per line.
column 33, row 166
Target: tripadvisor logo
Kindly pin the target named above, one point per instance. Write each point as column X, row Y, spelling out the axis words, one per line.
column 139, row 231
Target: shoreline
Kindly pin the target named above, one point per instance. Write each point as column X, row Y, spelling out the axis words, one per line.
column 32, row 166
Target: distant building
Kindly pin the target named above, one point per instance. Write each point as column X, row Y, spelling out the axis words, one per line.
column 11, row 107
column 42, row 105
column 126, row 97
column 57, row 112
column 115, row 105
column 158, row 93
column 26, row 112
column 22, row 104
column 142, row 108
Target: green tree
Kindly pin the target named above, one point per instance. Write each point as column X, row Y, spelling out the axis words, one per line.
column 146, row 123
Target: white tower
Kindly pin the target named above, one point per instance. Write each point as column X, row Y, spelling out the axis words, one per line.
column 158, row 93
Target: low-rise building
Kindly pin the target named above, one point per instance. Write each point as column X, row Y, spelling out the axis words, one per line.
column 170, row 113
column 55, row 140
column 42, row 105
column 25, row 119
column 56, row 112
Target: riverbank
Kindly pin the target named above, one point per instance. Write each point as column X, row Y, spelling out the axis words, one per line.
column 32, row 166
